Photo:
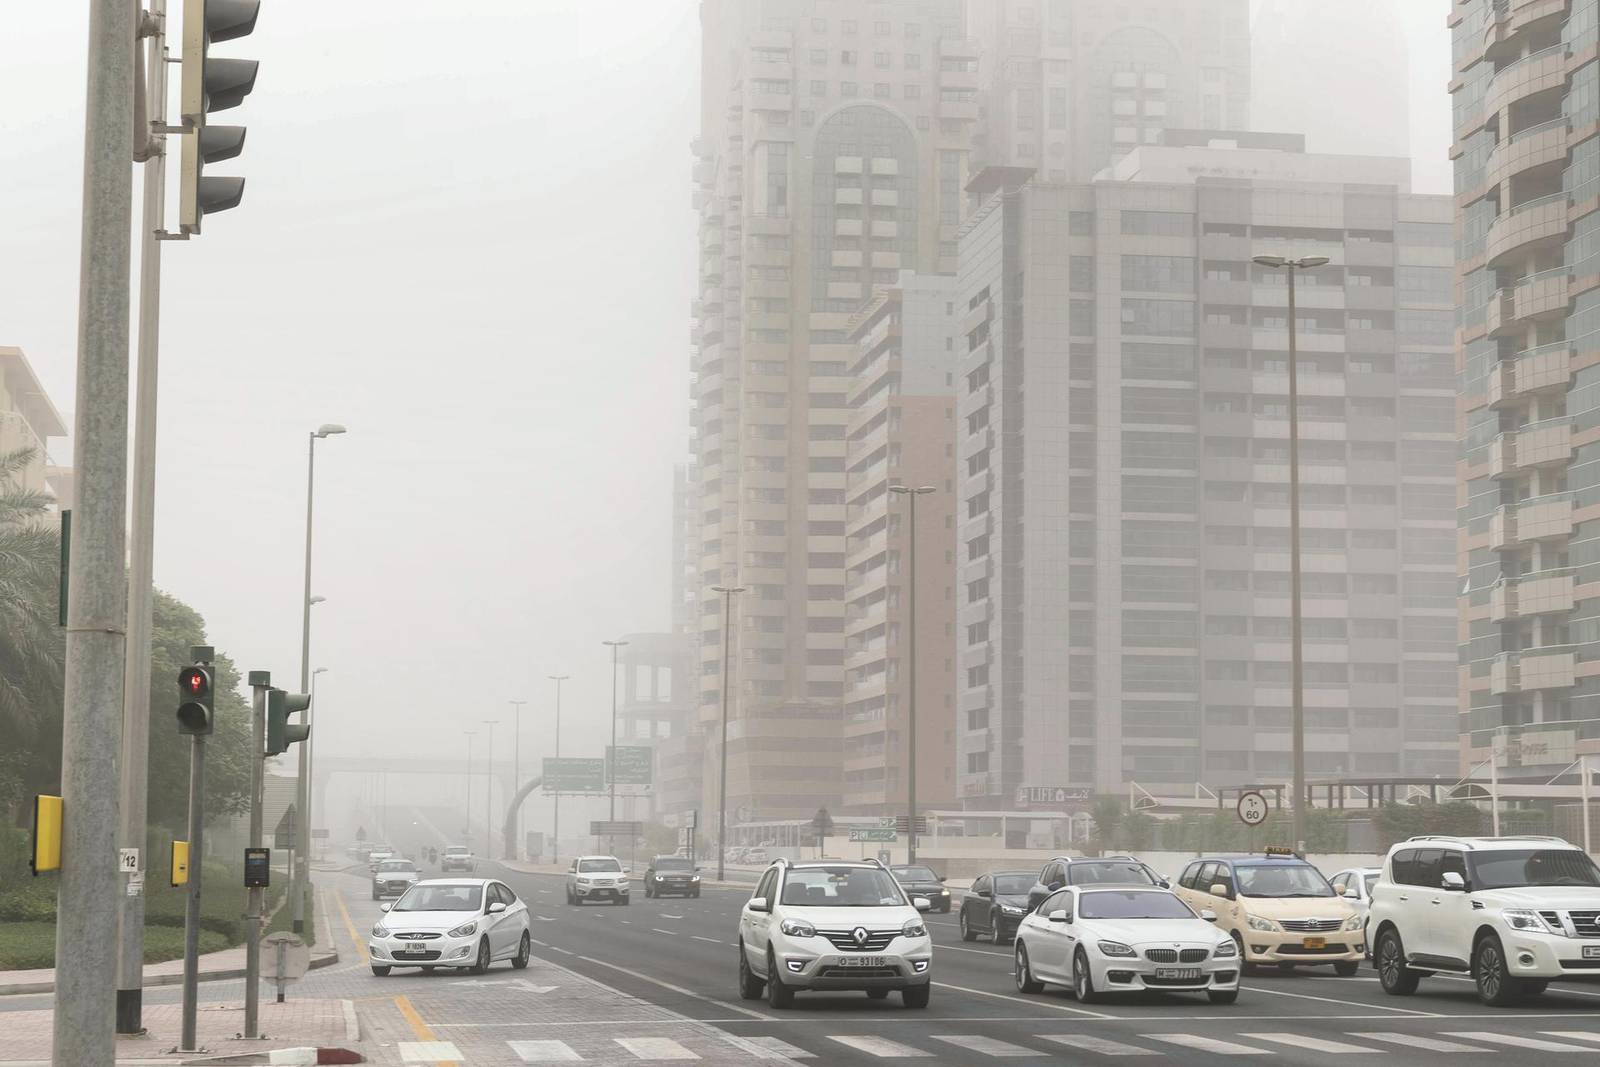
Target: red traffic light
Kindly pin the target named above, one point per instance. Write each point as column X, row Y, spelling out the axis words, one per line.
column 193, row 680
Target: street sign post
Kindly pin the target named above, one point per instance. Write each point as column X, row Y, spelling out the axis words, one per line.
column 872, row 833
column 289, row 956
column 1252, row 808
column 628, row 764
column 568, row 775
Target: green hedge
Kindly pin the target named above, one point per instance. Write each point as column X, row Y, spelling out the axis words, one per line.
column 25, row 946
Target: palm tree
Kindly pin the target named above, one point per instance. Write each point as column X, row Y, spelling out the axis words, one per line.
column 31, row 646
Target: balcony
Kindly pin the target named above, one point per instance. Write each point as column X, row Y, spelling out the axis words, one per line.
column 1540, row 295
column 1535, row 668
column 1541, row 220
column 1534, row 73
column 1536, row 146
column 1540, row 444
column 1544, row 518
column 1540, row 593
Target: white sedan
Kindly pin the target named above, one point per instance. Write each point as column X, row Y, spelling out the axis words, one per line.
column 457, row 922
column 1111, row 939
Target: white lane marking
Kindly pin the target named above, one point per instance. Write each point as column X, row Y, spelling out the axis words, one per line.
column 545, row 918
column 713, row 940
column 563, row 951
column 664, row 915
column 658, row 930
column 432, row 1051
column 1346, row 1003
column 655, row 1048
column 1030, row 1002
column 1096, row 1044
column 879, row 1046
column 676, row 989
column 1417, row 1041
column 976, row 951
column 1517, row 1040
column 768, row 1048
column 1207, row 1044
column 544, row 1051
column 625, row 922
column 1315, row 1044
column 1574, row 1035
column 986, row 1046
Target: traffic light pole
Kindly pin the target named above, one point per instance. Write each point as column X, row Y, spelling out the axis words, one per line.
column 191, row 913
column 260, row 682
column 86, row 946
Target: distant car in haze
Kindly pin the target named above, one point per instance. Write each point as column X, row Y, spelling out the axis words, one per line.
column 921, row 881
column 457, row 858
column 394, row 877
column 671, row 876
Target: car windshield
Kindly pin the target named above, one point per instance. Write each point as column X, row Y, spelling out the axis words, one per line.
column 396, row 865
column 914, row 874
column 441, row 898
column 1013, row 885
column 1281, row 880
column 1110, row 873
column 841, row 887
column 672, row 863
column 455, row 850
column 1515, row 868
column 599, row 867
column 1104, row 904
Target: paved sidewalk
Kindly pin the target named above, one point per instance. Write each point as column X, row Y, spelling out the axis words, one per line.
column 328, row 1022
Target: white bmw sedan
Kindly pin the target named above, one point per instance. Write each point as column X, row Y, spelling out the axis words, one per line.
column 1113, row 939
column 456, row 922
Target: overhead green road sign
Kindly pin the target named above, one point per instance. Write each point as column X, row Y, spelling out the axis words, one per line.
column 632, row 763
column 873, row 834
column 568, row 775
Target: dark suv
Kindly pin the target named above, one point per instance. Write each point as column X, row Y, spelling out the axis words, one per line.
column 671, row 874
column 920, row 881
column 1103, row 870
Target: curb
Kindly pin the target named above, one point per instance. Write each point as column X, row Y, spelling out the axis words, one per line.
column 16, row 989
column 304, row 1055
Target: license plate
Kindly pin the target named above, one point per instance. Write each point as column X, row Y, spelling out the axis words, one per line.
column 1178, row 973
column 412, row 950
column 1314, row 942
column 1591, row 952
column 861, row 961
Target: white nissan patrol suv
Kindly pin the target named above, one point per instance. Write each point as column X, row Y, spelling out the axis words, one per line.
column 1513, row 912
column 833, row 924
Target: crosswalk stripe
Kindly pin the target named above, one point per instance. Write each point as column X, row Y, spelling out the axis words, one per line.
column 544, row 1051
column 768, row 1048
column 1084, row 1043
column 1208, row 1044
column 986, row 1046
column 1431, row 1044
column 430, row 1051
column 1573, row 1035
column 878, row 1046
column 1315, row 1044
column 655, row 1048
column 1518, row 1040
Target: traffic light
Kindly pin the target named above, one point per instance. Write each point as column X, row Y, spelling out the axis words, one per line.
column 281, row 733
column 196, row 700
column 212, row 84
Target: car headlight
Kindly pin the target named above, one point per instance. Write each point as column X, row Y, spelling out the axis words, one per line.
column 1116, row 948
column 659, row 878
column 380, row 930
column 797, row 928
column 914, row 928
column 464, row 930
column 1225, row 950
column 1530, row 921
column 1256, row 922
column 944, row 892
column 1010, row 909
column 1353, row 923
column 583, row 879
column 694, row 878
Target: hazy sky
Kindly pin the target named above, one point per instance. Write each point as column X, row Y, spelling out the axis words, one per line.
column 466, row 234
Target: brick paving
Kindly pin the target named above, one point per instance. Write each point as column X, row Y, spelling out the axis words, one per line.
column 27, row 1034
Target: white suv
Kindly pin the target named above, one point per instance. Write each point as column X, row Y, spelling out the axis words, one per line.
column 837, row 924
column 1513, row 912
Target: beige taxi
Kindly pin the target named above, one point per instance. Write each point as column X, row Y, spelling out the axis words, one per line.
column 1279, row 909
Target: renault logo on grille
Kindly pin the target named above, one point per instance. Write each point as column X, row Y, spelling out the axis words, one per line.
column 860, row 935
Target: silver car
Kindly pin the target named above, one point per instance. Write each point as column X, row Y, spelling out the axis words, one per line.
column 393, row 878
column 465, row 923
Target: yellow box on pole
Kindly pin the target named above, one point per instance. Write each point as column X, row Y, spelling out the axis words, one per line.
column 46, row 854
column 180, row 863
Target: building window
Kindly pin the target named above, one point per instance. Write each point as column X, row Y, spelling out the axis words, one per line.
column 913, row 60
column 880, row 60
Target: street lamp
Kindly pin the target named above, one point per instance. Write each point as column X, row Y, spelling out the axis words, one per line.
column 555, row 828
column 511, row 848
column 611, row 767
column 302, row 883
column 728, row 592
column 1296, row 673
column 467, row 835
column 911, row 661
column 488, row 791
column 310, row 768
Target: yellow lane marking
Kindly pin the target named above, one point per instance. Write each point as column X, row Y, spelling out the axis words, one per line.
column 418, row 1027
column 350, row 927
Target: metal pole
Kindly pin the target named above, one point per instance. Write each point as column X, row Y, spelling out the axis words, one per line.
column 136, row 681
column 722, row 759
column 86, row 946
column 259, row 681
column 911, row 670
column 1494, row 788
column 1583, row 778
column 468, row 834
column 191, row 912
column 302, row 881
column 1297, row 681
column 555, row 829
column 513, row 847
column 611, row 768
column 488, row 794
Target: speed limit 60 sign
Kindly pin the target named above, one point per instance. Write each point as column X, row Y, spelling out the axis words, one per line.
column 1252, row 808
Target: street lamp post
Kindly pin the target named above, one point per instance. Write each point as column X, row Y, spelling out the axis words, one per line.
column 728, row 592
column 555, row 828
column 911, row 661
column 611, row 764
column 488, row 791
column 310, row 766
column 467, row 834
column 1297, row 684
column 302, row 884
column 513, row 848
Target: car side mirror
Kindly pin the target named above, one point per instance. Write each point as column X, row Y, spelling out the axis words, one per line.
column 1220, row 890
column 1453, row 882
column 1163, row 883
column 758, row 904
column 627, row 870
column 922, row 903
column 1059, row 916
column 1208, row 915
column 497, row 907
column 941, row 878
column 1352, row 892
column 385, row 907
column 1055, row 886
column 984, row 893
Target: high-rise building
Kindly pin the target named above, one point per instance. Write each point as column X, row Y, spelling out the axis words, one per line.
column 831, row 156
column 1123, row 583
column 27, row 421
column 1527, row 181
column 1069, row 86
column 902, row 434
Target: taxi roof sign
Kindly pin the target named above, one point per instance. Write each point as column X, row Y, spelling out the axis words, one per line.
column 1280, row 850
